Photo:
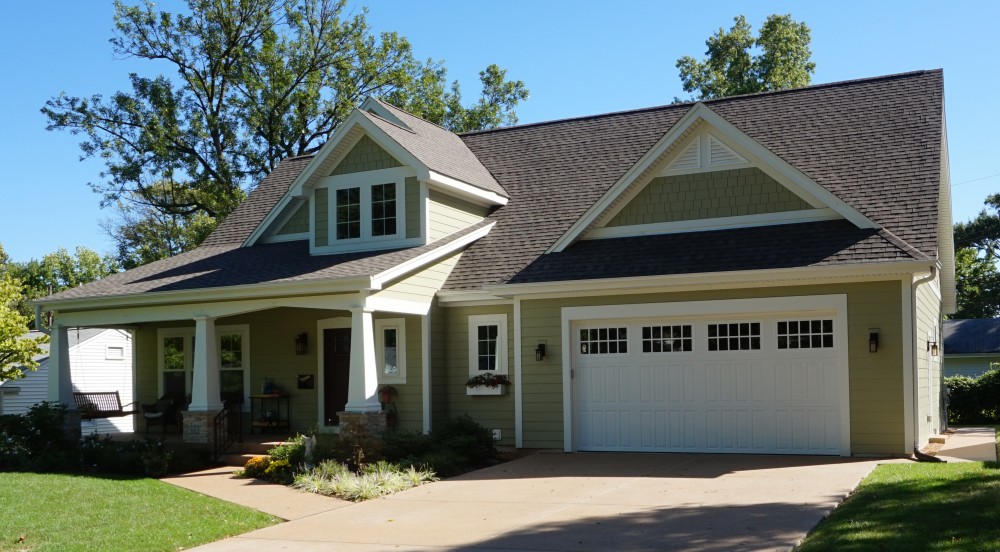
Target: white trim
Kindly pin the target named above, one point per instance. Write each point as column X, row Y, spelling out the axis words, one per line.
column 380, row 279
column 243, row 330
column 274, row 238
column 703, row 145
column 710, row 280
column 463, row 297
column 718, row 223
column 114, row 352
column 402, row 306
column 280, row 221
column 364, row 182
column 425, row 372
column 468, row 191
column 760, row 156
column 474, row 322
column 398, row 324
column 518, row 388
column 324, row 324
column 835, row 304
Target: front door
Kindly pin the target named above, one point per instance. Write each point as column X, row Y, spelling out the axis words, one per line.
column 336, row 372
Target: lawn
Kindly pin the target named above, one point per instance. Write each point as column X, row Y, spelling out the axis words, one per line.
column 68, row 512
column 917, row 506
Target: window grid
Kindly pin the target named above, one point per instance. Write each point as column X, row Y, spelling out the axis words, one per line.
column 667, row 339
column 734, row 336
column 805, row 334
column 348, row 213
column 383, row 209
column 604, row 341
column 486, row 339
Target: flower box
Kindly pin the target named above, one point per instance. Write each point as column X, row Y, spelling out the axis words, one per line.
column 482, row 390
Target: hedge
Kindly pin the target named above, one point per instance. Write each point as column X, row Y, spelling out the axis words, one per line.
column 974, row 400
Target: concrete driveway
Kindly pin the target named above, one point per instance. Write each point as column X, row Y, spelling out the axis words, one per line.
column 587, row 502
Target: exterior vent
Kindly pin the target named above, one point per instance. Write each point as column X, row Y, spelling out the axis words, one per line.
column 689, row 159
column 720, row 154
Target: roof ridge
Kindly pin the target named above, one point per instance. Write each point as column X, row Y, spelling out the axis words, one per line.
column 811, row 87
column 405, row 112
column 387, row 121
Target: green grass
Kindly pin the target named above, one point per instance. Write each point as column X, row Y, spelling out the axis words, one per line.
column 917, row 506
column 70, row 513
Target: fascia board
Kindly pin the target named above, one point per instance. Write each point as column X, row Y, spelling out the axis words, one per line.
column 228, row 293
column 379, row 280
column 468, row 191
column 470, row 296
column 713, row 280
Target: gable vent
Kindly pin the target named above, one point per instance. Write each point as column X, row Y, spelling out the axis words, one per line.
column 720, row 154
column 689, row 159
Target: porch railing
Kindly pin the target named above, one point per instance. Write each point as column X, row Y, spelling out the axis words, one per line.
column 228, row 428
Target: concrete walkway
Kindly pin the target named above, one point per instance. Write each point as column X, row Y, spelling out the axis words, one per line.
column 970, row 444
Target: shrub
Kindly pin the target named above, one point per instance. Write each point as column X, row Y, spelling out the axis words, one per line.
column 279, row 471
column 376, row 479
column 974, row 400
column 255, row 467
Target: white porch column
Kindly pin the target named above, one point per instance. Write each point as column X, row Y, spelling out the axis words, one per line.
column 60, row 381
column 361, row 390
column 205, row 376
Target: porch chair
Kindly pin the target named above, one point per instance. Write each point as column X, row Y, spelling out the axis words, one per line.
column 163, row 413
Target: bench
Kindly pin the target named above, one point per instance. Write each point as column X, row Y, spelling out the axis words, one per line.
column 105, row 404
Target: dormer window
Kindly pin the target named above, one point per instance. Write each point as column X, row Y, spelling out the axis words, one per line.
column 348, row 213
column 366, row 211
column 384, row 209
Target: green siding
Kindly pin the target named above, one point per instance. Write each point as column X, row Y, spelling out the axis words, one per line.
column 876, row 380
column 414, row 209
column 450, row 214
column 322, row 217
column 928, row 316
column 298, row 223
column 708, row 195
column 366, row 155
column 422, row 285
column 451, row 370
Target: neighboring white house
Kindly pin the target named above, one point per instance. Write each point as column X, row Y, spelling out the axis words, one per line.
column 100, row 360
column 970, row 346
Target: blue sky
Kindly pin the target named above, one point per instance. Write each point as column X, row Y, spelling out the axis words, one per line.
column 577, row 58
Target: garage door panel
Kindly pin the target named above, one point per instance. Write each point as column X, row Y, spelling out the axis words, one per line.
column 766, row 401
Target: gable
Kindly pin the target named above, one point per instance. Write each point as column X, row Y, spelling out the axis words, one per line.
column 748, row 191
column 701, row 143
column 366, row 155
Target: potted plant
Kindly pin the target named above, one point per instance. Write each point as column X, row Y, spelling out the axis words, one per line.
column 387, row 394
column 487, row 383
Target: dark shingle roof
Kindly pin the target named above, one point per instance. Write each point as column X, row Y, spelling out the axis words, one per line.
column 245, row 218
column 972, row 336
column 441, row 150
column 876, row 143
column 221, row 266
column 765, row 247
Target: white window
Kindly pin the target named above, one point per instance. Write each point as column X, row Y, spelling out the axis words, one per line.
column 667, row 339
column 175, row 360
column 734, row 336
column 805, row 334
column 488, row 344
column 390, row 350
column 114, row 352
column 366, row 208
column 604, row 341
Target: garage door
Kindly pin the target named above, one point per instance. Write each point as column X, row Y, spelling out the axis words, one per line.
column 747, row 384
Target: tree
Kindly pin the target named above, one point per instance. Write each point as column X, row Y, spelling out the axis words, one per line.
column 977, row 284
column 16, row 351
column 56, row 272
column 256, row 81
column 977, row 279
column 738, row 63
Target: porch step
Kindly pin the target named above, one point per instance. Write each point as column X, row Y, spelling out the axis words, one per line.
column 937, row 439
column 258, row 448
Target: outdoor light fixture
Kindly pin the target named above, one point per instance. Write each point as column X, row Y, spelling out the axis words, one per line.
column 540, row 351
column 932, row 343
column 301, row 343
column 873, row 340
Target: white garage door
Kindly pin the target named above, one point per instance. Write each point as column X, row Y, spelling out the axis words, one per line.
column 749, row 384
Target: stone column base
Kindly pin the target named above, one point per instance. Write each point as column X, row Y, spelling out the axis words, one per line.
column 373, row 423
column 198, row 426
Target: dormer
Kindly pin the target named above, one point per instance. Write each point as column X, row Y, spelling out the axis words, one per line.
column 385, row 180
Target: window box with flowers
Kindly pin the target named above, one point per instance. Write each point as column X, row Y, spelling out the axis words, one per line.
column 487, row 384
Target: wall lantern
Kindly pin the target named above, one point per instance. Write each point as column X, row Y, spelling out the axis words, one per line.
column 302, row 343
column 873, row 340
column 540, row 352
column 932, row 343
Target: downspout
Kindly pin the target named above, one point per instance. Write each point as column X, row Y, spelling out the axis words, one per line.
column 916, row 374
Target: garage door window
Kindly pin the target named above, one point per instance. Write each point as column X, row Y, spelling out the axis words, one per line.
column 805, row 334
column 604, row 341
column 666, row 339
column 734, row 336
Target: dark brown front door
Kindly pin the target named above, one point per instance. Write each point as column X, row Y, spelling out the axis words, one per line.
column 336, row 372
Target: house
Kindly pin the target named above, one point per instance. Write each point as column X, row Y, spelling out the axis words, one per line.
column 759, row 274
column 100, row 360
column 970, row 346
